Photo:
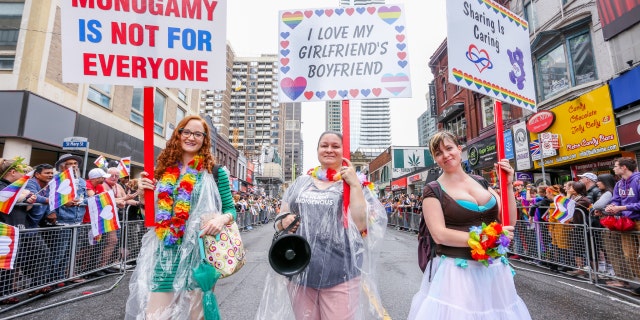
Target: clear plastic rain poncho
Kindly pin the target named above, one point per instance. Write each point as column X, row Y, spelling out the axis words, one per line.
column 184, row 299
column 341, row 258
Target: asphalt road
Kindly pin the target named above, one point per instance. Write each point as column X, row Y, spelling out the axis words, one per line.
column 547, row 296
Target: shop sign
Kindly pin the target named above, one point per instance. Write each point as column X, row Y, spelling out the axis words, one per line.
column 540, row 121
column 586, row 127
column 629, row 133
column 524, row 176
column 521, row 146
column 483, row 153
column 414, row 178
column 399, row 184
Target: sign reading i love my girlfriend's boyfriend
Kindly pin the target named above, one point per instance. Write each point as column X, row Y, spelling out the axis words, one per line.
column 160, row 43
column 343, row 53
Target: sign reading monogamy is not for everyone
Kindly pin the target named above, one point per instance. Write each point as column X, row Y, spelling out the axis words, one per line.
column 343, row 53
column 170, row 43
column 489, row 52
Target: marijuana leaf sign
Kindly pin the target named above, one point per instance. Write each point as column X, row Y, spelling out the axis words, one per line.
column 414, row 160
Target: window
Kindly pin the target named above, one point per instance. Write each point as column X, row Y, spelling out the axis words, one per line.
column 10, row 18
column 100, row 94
column 530, row 16
column 180, row 115
column 457, row 126
column 487, row 105
column 444, row 89
column 137, row 106
column 556, row 74
column 158, row 113
column 181, row 95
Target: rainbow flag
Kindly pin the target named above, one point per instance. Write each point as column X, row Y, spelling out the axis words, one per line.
column 102, row 211
column 564, row 209
column 124, row 165
column 9, row 236
column 11, row 193
column 62, row 189
column 102, row 163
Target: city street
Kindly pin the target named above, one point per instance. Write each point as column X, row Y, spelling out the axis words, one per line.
column 547, row 297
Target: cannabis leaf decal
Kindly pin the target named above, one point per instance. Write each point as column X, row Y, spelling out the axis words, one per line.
column 414, row 160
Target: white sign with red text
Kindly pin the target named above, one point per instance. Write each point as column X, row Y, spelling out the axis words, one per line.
column 170, row 43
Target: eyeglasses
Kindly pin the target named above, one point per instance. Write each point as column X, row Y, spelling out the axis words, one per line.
column 186, row 133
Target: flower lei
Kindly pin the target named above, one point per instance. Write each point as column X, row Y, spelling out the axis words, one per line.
column 488, row 242
column 174, row 201
column 333, row 175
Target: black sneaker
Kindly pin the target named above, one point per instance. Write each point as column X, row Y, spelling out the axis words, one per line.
column 636, row 291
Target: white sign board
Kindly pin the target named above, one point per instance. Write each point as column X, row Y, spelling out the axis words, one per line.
column 343, row 53
column 489, row 52
column 521, row 146
column 177, row 44
column 75, row 143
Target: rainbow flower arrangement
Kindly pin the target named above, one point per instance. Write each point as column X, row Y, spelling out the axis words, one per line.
column 174, row 201
column 488, row 243
column 333, row 175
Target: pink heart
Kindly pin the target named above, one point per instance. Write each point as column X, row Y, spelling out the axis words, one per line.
column 402, row 55
column 371, row 10
column 308, row 13
column 376, row 91
column 354, row 92
column 400, row 37
column 331, row 93
column 328, row 12
column 284, row 61
column 350, row 11
column 284, row 44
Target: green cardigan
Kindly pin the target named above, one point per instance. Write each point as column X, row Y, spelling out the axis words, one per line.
column 228, row 206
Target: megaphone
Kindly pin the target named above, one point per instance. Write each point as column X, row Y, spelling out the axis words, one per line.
column 289, row 253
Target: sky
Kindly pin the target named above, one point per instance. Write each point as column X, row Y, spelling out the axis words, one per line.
column 252, row 30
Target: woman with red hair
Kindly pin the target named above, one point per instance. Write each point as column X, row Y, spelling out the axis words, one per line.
column 162, row 286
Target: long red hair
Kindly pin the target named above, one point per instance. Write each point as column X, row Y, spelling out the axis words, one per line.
column 172, row 153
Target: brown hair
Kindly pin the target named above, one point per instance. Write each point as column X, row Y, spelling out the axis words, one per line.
column 172, row 154
column 338, row 134
column 439, row 137
column 627, row 162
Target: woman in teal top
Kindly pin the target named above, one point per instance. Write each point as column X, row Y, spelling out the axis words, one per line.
column 162, row 286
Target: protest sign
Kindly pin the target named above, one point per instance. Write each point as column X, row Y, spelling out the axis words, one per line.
column 175, row 43
column 343, row 53
column 489, row 52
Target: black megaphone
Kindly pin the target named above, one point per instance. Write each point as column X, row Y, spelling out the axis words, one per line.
column 289, row 253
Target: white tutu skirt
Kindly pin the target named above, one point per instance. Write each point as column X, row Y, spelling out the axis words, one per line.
column 472, row 293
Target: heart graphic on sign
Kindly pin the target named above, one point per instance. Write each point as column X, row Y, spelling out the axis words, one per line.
column 292, row 19
column 5, row 243
column 350, row 11
column 360, row 10
column 332, row 93
column 354, row 92
column 479, row 57
column 293, row 88
column 284, row 61
column 319, row 12
column 389, row 14
column 284, row 44
column 400, row 37
column 6, row 195
column 328, row 12
column 376, row 91
column 343, row 93
column 285, row 52
column 107, row 213
column 402, row 55
column 320, row 94
column 308, row 95
column 399, row 28
column 285, row 35
column 285, row 69
column 308, row 13
column 339, row 11
column 371, row 10
column 365, row 92
column 394, row 82
column 64, row 187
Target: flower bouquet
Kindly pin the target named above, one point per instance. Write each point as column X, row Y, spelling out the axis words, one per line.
column 488, row 243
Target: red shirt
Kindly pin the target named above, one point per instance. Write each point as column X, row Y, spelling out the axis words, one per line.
column 96, row 190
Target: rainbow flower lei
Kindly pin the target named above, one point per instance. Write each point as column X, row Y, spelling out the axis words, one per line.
column 174, row 201
column 488, row 243
column 333, row 175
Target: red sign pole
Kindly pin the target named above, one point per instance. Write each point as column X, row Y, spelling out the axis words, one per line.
column 148, row 123
column 346, row 153
column 502, row 176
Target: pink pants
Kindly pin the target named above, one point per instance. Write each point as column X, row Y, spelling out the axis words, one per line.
column 339, row 302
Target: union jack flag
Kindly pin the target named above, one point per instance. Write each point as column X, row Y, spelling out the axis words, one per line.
column 534, row 149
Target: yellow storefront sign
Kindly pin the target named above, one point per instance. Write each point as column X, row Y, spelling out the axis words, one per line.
column 586, row 129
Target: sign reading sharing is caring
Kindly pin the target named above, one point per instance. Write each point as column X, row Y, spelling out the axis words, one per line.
column 170, row 43
column 344, row 53
column 489, row 51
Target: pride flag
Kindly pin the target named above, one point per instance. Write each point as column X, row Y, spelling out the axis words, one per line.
column 564, row 209
column 9, row 237
column 124, row 165
column 11, row 193
column 102, row 211
column 102, row 163
column 62, row 189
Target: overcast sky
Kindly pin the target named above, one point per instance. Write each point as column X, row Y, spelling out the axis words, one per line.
column 253, row 30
